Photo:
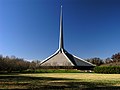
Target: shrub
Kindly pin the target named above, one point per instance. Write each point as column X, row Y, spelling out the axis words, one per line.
column 52, row 71
column 107, row 69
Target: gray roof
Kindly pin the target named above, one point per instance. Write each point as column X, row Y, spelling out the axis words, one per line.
column 64, row 59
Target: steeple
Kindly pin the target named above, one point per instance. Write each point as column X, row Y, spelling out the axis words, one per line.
column 62, row 59
column 61, row 44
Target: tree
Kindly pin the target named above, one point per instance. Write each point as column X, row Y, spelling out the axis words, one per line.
column 13, row 64
column 116, row 57
column 96, row 61
column 33, row 65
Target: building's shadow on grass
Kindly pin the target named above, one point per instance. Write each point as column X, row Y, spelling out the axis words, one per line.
column 49, row 83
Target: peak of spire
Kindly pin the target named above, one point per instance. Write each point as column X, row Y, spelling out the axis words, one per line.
column 61, row 45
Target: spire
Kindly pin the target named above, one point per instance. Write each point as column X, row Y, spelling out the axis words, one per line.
column 61, row 45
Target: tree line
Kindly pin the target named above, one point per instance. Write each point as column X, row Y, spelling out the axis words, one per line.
column 9, row 64
column 115, row 59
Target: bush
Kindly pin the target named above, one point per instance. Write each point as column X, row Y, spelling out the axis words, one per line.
column 52, row 71
column 107, row 69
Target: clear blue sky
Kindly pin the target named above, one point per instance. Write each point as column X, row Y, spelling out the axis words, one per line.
column 29, row 29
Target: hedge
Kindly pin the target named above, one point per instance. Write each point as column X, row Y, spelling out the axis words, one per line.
column 107, row 69
column 52, row 71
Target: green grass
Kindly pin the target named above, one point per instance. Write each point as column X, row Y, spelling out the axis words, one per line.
column 58, row 81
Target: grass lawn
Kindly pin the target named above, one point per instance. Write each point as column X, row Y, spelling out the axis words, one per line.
column 58, row 81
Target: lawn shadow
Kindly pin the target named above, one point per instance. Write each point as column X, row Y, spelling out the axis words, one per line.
column 50, row 83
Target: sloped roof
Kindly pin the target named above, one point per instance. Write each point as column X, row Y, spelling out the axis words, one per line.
column 64, row 59
column 59, row 59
